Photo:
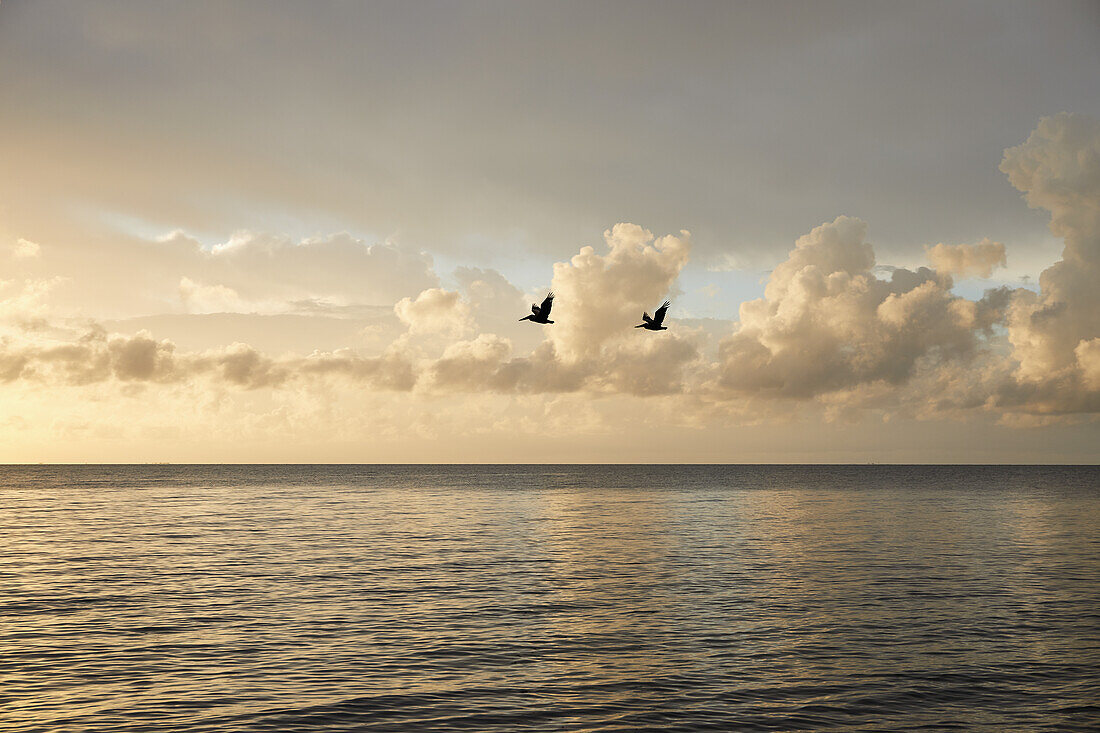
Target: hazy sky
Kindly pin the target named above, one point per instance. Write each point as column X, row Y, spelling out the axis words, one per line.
column 306, row 231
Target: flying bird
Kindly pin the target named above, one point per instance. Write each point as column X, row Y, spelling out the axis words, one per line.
column 541, row 313
column 654, row 323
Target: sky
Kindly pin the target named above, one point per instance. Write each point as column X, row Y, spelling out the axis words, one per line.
column 266, row 231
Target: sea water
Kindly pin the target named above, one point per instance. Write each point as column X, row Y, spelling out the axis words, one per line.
column 557, row 598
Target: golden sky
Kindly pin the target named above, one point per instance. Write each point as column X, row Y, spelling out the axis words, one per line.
column 291, row 232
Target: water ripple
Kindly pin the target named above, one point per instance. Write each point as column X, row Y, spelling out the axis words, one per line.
column 502, row 598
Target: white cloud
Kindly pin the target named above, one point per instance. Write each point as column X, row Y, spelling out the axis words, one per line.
column 600, row 297
column 966, row 260
column 1088, row 362
column 1058, row 169
column 471, row 365
column 435, row 311
column 25, row 304
column 827, row 323
column 265, row 267
column 494, row 301
column 25, row 249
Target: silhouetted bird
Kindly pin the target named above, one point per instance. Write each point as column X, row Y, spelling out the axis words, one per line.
column 541, row 313
column 654, row 323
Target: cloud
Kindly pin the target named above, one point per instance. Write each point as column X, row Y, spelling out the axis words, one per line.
column 240, row 365
column 98, row 357
column 140, row 357
column 831, row 331
column 25, row 249
column 494, row 301
column 647, row 366
column 473, row 366
column 827, row 323
column 251, row 272
column 435, row 311
column 966, row 260
column 25, row 304
column 607, row 291
column 255, row 266
column 488, row 289
column 1052, row 332
column 95, row 357
column 1087, row 354
column 393, row 370
column 601, row 297
column 199, row 298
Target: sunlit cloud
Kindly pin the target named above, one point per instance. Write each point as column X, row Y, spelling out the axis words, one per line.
column 966, row 260
column 25, row 249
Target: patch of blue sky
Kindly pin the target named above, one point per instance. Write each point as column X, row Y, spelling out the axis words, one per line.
column 717, row 294
column 118, row 221
column 974, row 288
column 297, row 226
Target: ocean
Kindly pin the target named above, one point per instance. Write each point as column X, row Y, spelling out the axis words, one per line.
column 549, row 598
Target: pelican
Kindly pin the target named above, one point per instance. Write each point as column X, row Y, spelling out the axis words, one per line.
column 654, row 323
column 541, row 313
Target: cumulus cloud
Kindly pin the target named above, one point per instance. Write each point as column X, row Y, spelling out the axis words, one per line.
column 827, row 323
column 94, row 357
column 967, row 260
column 600, row 296
column 99, row 357
column 139, row 358
column 488, row 290
column 647, row 366
column 240, row 365
column 473, row 365
column 1087, row 355
column 25, row 304
column 435, row 311
column 495, row 303
column 592, row 347
column 25, row 249
column 1052, row 332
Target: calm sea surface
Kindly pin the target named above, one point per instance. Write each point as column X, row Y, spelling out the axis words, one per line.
column 578, row 598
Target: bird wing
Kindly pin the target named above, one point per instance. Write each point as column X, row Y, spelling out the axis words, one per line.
column 659, row 314
column 547, row 304
column 646, row 318
column 534, row 309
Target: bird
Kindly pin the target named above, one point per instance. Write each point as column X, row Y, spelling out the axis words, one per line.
column 541, row 313
column 654, row 323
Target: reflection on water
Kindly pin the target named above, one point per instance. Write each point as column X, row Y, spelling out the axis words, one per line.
column 576, row 598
